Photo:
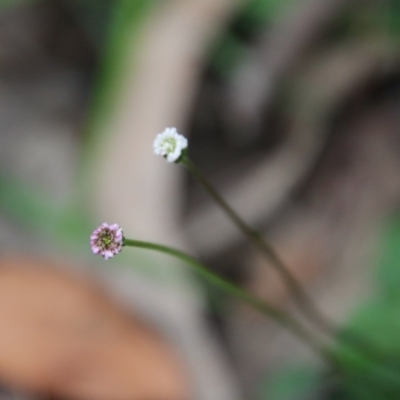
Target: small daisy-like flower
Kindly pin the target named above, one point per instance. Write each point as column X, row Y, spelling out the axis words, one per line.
column 170, row 144
column 107, row 240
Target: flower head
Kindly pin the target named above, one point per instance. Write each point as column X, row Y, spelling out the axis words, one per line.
column 107, row 240
column 170, row 144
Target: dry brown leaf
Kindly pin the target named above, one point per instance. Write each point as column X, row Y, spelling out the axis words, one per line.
column 60, row 335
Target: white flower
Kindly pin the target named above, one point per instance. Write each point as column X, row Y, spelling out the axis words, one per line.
column 170, row 144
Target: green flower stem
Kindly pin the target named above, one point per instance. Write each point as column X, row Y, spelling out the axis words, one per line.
column 262, row 306
column 349, row 365
column 303, row 301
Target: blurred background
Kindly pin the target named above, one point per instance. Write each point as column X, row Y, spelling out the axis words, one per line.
column 292, row 109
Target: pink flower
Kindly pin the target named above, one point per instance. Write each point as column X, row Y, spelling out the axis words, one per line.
column 107, row 240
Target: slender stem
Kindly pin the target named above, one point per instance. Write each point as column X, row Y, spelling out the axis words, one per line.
column 262, row 306
column 303, row 301
column 379, row 381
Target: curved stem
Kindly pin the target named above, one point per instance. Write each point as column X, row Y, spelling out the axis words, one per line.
column 379, row 381
column 262, row 306
column 304, row 302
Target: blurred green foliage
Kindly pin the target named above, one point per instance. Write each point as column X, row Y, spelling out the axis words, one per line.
column 292, row 383
column 377, row 320
column 379, row 317
column 120, row 22
column 117, row 26
column 11, row 3
column 93, row 16
column 61, row 226
column 230, row 48
column 124, row 34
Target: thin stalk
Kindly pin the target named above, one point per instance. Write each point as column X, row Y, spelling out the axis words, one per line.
column 280, row 317
column 379, row 381
column 303, row 301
